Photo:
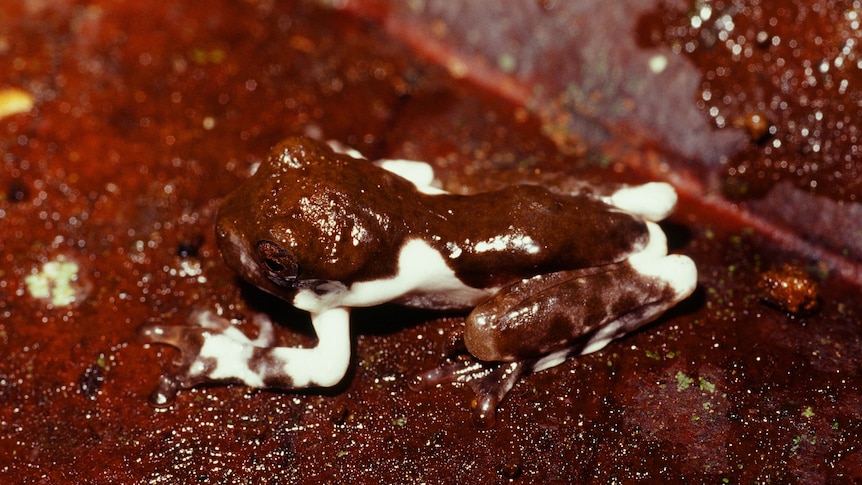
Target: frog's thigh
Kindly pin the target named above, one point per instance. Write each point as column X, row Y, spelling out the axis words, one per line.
column 675, row 275
column 281, row 367
column 555, row 315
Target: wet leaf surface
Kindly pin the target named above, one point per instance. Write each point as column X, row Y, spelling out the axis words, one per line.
column 144, row 116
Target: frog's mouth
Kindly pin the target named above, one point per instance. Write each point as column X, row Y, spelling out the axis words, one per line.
column 280, row 268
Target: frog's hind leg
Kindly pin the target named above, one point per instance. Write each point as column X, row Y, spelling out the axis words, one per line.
column 214, row 351
column 674, row 274
column 540, row 322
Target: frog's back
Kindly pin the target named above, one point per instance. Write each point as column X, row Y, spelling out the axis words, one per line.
column 502, row 236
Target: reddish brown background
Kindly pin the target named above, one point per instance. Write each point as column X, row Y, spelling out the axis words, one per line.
column 146, row 114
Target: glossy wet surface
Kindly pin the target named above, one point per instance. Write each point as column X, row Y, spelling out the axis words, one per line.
column 144, row 116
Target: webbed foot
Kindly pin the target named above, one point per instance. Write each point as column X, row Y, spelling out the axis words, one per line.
column 490, row 382
column 200, row 344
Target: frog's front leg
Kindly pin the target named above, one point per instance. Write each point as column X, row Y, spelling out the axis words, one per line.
column 214, row 351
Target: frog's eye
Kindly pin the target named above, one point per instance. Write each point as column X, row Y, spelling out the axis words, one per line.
column 279, row 265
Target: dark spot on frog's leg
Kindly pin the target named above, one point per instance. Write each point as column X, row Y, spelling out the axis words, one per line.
column 270, row 369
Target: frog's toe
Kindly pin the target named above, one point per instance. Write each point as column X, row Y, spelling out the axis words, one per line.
column 492, row 388
column 490, row 382
column 165, row 392
column 484, row 410
column 460, row 371
column 188, row 340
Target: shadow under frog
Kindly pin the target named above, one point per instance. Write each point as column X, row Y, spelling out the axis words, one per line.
column 543, row 275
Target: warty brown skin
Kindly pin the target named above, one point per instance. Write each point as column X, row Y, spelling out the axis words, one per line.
column 343, row 219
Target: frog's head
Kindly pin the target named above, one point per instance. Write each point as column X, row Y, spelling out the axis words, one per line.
column 311, row 219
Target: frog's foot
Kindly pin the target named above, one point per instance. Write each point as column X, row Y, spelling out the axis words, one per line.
column 490, row 381
column 653, row 201
column 197, row 343
column 214, row 351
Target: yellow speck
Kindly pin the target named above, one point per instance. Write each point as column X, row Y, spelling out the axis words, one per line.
column 54, row 282
column 458, row 68
column 14, row 101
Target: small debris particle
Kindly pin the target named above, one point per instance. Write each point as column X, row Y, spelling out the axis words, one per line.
column 789, row 288
column 658, row 63
column 190, row 247
column 756, row 124
column 14, row 101
column 507, row 63
column 510, row 470
column 91, row 380
column 705, row 385
column 339, row 414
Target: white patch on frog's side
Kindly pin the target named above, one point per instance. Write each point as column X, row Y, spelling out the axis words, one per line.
column 420, row 174
column 422, row 279
column 653, row 201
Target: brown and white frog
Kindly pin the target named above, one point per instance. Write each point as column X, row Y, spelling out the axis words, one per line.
column 544, row 275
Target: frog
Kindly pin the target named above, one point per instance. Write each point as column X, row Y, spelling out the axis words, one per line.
column 542, row 275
